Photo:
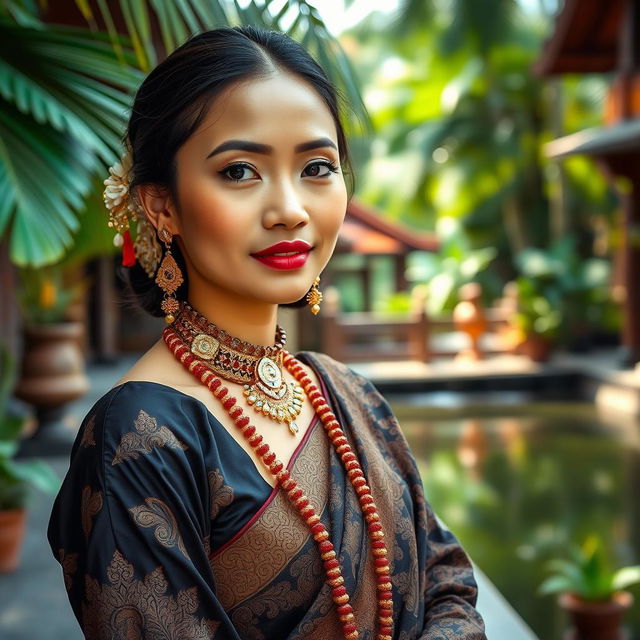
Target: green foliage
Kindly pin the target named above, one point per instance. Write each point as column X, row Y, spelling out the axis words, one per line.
column 64, row 96
column 559, row 292
column 399, row 302
column 44, row 295
column 536, row 315
column 461, row 114
column 16, row 478
column 445, row 272
column 460, row 124
column 587, row 574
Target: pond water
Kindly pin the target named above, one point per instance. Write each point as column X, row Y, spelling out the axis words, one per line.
column 519, row 482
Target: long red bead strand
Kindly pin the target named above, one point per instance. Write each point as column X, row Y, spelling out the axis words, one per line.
column 295, row 494
column 356, row 475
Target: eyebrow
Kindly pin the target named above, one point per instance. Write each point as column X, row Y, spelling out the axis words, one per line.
column 257, row 147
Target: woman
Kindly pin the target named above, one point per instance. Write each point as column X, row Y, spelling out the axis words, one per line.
column 225, row 489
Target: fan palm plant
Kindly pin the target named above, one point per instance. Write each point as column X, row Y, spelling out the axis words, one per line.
column 64, row 97
column 65, row 92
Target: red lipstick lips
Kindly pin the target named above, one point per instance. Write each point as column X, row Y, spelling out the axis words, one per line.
column 284, row 255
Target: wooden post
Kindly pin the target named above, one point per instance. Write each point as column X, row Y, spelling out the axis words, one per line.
column 400, row 267
column 419, row 327
column 627, row 167
column 332, row 335
column 366, row 283
column 104, row 311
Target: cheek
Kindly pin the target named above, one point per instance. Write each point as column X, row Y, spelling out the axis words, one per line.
column 333, row 214
column 208, row 218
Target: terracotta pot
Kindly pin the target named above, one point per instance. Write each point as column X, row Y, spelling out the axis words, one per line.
column 12, row 532
column 596, row 620
column 53, row 370
column 536, row 348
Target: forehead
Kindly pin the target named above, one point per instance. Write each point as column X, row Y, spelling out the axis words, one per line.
column 278, row 109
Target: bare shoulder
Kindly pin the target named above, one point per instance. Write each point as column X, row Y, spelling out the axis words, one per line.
column 158, row 365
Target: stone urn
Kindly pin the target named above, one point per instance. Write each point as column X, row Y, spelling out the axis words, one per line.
column 53, row 368
column 469, row 317
column 596, row 620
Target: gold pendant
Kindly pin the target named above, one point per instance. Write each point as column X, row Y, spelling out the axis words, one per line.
column 282, row 403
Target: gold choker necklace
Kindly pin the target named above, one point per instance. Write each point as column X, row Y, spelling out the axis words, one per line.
column 257, row 368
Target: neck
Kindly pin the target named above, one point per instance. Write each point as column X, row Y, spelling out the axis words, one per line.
column 249, row 320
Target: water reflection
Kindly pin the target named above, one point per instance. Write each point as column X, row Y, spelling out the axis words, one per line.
column 518, row 488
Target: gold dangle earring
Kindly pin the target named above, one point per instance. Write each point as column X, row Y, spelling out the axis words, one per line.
column 314, row 297
column 169, row 278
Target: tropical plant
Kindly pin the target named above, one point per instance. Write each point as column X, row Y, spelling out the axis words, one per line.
column 17, row 477
column 460, row 122
column 560, row 292
column 462, row 114
column 587, row 574
column 64, row 96
column 44, row 296
column 455, row 264
column 536, row 315
column 65, row 93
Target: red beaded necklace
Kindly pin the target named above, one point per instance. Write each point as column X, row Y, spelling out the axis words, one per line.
column 295, row 494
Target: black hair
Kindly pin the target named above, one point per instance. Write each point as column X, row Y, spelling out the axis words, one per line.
column 174, row 99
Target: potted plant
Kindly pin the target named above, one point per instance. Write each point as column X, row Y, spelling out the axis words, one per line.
column 16, row 477
column 562, row 297
column 53, row 369
column 591, row 592
column 536, row 320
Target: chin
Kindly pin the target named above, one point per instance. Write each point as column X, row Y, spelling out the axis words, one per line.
column 297, row 296
column 286, row 293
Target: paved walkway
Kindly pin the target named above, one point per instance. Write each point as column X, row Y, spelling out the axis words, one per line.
column 33, row 601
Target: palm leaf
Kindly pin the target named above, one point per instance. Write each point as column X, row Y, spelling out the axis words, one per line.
column 94, row 237
column 179, row 20
column 44, row 177
column 412, row 15
column 23, row 12
column 64, row 101
column 52, row 76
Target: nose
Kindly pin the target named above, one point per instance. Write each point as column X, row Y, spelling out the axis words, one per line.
column 285, row 207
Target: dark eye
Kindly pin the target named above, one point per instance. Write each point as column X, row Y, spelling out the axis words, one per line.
column 238, row 172
column 319, row 169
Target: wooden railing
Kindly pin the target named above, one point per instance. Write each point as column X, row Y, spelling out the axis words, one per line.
column 360, row 336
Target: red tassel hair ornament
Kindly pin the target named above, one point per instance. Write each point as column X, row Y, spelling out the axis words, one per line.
column 128, row 252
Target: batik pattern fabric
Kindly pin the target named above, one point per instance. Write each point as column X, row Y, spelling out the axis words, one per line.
column 166, row 530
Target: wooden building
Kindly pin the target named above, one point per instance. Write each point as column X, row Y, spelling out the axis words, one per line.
column 603, row 36
column 366, row 233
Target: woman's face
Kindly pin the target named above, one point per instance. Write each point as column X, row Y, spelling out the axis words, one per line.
column 263, row 168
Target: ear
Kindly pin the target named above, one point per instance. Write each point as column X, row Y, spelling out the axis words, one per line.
column 158, row 207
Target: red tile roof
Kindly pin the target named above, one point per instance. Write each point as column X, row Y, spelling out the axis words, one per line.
column 366, row 231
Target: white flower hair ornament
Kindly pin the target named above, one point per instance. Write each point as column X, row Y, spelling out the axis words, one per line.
column 124, row 209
